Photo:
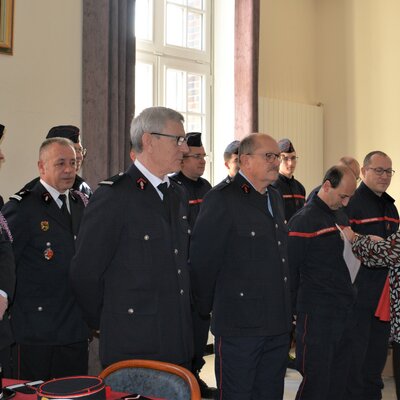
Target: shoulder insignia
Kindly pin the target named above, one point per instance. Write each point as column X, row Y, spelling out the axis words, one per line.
column 112, row 180
column 246, row 188
column 47, row 197
column 82, row 196
column 19, row 196
column 4, row 226
column 141, row 183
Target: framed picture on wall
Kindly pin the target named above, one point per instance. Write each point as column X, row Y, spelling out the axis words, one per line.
column 6, row 26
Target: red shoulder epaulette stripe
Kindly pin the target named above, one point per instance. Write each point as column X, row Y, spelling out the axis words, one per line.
column 373, row 219
column 314, row 234
column 197, row 201
column 293, row 196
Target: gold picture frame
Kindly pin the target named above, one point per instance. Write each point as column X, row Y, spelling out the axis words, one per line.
column 6, row 26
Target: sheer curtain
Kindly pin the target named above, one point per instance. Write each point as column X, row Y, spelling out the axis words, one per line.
column 247, row 30
column 108, row 62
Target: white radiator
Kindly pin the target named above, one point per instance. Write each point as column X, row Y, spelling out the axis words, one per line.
column 303, row 125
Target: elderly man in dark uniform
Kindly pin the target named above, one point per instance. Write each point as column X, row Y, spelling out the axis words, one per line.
column 239, row 272
column 72, row 133
column 293, row 192
column 130, row 271
column 51, row 335
column 192, row 168
column 7, row 285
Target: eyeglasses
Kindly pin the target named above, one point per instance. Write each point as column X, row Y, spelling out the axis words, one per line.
column 287, row 159
column 179, row 139
column 379, row 171
column 196, row 156
column 81, row 150
column 269, row 157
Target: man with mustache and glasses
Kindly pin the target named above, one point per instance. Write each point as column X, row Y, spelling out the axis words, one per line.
column 239, row 274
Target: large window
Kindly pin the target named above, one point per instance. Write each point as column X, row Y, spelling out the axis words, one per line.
column 173, row 60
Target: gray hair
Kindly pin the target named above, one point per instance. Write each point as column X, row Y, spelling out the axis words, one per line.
column 59, row 140
column 152, row 119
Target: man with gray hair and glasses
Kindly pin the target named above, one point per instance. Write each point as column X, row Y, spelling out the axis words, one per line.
column 130, row 270
column 371, row 211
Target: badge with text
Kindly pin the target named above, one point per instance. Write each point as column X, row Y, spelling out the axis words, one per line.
column 48, row 253
column 141, row 183
column 44, row 226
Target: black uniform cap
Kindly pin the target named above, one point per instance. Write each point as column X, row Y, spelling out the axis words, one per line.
column 2, row 127
column 65, row 131
column 286, row 146
column 193, row 139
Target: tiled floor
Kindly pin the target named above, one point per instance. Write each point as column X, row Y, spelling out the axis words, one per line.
column 292, row 381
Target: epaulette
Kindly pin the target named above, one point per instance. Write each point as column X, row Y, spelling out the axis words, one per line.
column 222, row 185
column 19, row 196
column 175, row 180
column 112, row 180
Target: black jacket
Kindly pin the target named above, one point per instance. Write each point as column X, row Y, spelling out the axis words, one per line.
column 319, row 275
column 239, row 267
column 44, row 309
column 130, row 271
column 375, row 215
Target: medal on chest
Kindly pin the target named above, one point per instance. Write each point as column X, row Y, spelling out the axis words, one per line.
column 48, row 253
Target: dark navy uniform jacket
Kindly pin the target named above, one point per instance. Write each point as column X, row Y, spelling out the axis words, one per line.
column 293, row 194
column 7, row 284
column 375, row 215
column 319, row 275
column 130, row 271
column 44, row 309
column 239, row 265
column 196, row 191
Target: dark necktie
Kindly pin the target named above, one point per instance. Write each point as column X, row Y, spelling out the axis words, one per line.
column 163, row 188
column 64, row 208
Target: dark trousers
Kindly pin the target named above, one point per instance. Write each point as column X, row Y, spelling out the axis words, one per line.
column 323, row 354
column 5, row 362
column 396, row 367
column 201, row 326
column 251, row 368
column 369, row 353
column 46, row 362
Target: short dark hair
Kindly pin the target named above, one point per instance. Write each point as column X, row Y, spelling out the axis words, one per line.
column 334, row 175
column 232, row 148
column 367, row 159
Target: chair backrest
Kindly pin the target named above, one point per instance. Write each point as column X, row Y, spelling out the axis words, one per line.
column 153, row 379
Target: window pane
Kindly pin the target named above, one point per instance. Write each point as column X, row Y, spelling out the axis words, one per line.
column 175, row 89
column 195, row 31
column 144, row 19
column 196, row 4
column 194, row 123
column 143, row 86
column 195, row 93
column 175, row 26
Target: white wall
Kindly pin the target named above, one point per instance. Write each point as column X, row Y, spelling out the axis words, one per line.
column 40, row 85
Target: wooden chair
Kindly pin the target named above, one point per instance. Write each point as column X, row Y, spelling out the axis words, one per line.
column 153, row 379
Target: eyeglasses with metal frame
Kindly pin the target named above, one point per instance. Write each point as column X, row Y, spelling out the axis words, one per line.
column 287, row 159
column 196, row 156
column 179, row 139
column 269, row 157
column 379, row 171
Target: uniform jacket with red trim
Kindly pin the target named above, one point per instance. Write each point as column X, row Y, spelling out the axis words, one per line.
column 44, row 310
column 293, row 194
column 377, row 215
column 319, row 275
column 130, row 271
column 196, row 191
column 238, row 260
